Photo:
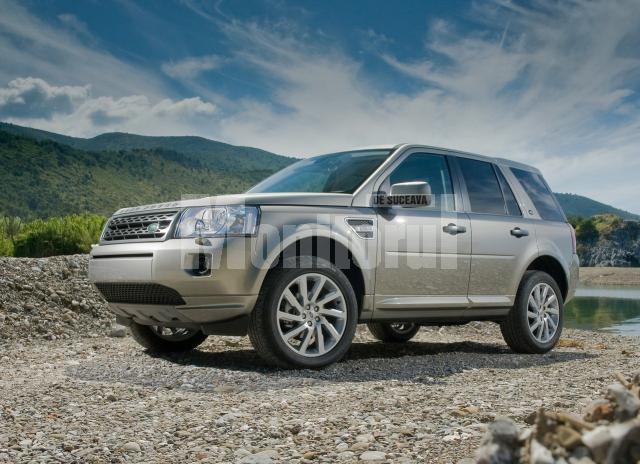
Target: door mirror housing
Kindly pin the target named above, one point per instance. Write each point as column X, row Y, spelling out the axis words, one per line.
column 407, row 195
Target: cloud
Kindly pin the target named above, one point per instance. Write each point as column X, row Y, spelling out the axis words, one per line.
column 72, row 110
column 72, row 22
column 557, row 88
column 135, row 109
column 191, row 67
column 32, row 97
column 30, row 46
column 553, row 84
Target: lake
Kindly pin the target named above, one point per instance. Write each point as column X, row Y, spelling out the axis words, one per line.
column 611, row 309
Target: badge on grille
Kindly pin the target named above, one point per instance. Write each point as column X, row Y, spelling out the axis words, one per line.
column 153, row 228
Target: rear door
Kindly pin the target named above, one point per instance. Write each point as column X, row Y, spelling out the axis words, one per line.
column 421, row 266
column 503, row 241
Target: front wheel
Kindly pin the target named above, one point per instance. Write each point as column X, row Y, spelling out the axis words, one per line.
column 394, row 332
column 306, row 316
column 534, row 324
column 159, row 339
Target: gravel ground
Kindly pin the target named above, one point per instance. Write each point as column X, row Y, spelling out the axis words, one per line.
column 50, row 298
column 69, row 393
column 106, row 400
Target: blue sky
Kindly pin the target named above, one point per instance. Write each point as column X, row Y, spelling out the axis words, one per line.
column 551, row 83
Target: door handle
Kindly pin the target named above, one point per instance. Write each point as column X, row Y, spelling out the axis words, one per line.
column 454, row 229
column 518, row 232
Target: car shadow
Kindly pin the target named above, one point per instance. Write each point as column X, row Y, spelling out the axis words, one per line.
column 421, row 362
column 239, row 368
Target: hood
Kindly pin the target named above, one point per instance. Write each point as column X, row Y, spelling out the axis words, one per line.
column 284, row 199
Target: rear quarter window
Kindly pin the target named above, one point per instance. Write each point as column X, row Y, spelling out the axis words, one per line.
column 537, row 189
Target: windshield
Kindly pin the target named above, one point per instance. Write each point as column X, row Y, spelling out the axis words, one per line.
column 334, row 173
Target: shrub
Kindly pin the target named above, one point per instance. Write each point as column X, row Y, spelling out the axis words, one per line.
column 58, row 236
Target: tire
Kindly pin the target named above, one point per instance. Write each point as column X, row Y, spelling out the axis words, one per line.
column 519, row 328
column 149, row 337
column 269, row 325
column 393, row 332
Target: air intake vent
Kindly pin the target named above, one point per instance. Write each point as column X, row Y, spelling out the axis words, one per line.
column 151, row 294
column 147, row 226
column 364, row 228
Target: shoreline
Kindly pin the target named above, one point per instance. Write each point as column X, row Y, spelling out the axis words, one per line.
column 614, row 276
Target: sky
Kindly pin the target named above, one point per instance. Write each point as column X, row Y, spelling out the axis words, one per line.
column 550, row 83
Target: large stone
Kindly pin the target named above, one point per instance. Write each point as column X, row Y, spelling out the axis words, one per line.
column 598, row 440
column 627, row 404
column 567, row 437
column 263, row 457
column 373, row 456
column 504, row 431
column 540, row 454
column 131, row 447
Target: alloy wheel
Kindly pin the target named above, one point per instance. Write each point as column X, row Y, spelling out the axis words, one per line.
column 543, row 312
column 311, row 315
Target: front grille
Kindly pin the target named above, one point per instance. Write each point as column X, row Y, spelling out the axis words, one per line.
column 152, row 294
column 146, row 226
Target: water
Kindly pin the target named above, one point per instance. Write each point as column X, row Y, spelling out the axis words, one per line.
column 612, row 309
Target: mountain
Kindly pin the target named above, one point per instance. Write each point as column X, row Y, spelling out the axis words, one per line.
column 579, row 206
column 47, row 174
column 43, row 178
column 252, row 163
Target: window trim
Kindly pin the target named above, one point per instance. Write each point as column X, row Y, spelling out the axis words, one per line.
column 497, row 172
column 533, row 206
column 465, row 191
column 458, row 205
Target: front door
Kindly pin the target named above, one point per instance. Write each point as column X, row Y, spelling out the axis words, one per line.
column 423, row 252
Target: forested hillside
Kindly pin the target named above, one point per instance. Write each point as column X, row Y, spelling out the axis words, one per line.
column 42, row 178
column 47, row 174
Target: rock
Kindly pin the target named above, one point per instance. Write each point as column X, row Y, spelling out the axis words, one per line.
column 263, row 457
column 118, row 331
column 567, row 437
column 373, row 456
column 365, row 438
column 493, row 453
column 599, row 410
column 132, row 447
column 597, row 440
column 342, row 446
column 540, row 454
column 626, row 403
column 504, row 431
column 625, row 446
column 359, row 446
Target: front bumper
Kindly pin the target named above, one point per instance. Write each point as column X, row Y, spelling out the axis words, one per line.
column 225, row 288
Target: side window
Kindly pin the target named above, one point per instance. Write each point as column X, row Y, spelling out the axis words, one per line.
column 429, row 168
column 483, row 188
column 540, row 194
column 512, row 204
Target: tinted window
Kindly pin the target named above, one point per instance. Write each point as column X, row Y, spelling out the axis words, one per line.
column 512, row 205
column 335, row 173
column 540, row 194
column 484, row 191
column 428, row 168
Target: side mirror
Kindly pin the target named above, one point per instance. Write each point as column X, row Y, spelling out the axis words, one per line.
column 407, row 195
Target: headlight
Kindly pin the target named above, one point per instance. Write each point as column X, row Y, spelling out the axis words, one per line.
column 216, row 221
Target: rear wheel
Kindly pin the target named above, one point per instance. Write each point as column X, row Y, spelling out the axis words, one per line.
column 534, row 324
column 396, row 332
column 306, row 315
column 160, row 339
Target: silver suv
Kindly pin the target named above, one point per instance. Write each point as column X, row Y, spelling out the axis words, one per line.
column 394, row 237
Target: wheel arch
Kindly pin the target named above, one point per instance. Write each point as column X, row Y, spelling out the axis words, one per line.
column 326, row 247
column 553, row 267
